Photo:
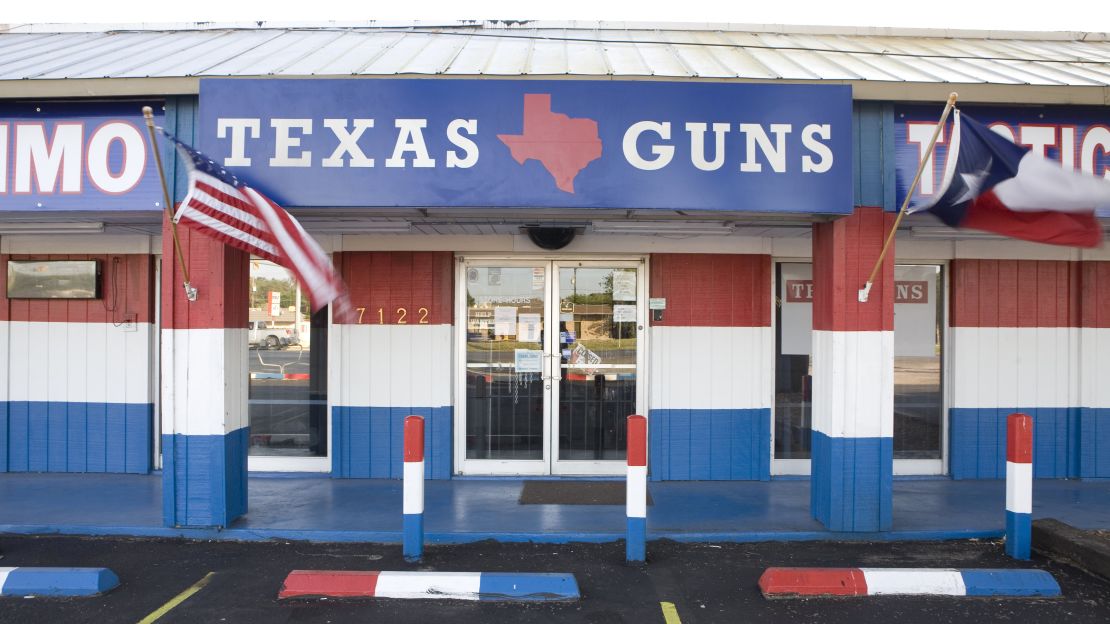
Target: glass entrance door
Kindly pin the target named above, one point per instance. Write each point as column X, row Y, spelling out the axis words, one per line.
column 551, row 357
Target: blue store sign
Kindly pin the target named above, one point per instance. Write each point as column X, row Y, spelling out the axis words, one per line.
column 1078, row 137
column 57, row 156
column 510, row 143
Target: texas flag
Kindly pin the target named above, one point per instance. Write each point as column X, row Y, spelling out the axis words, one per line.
column 994, row 185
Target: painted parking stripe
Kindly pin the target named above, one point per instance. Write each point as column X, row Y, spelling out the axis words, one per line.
column 486, row 586
column 176, row 600
column 670, row 613
column 30, row 581
column 808, row 582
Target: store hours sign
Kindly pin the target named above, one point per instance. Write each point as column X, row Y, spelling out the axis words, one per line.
column 510, row 143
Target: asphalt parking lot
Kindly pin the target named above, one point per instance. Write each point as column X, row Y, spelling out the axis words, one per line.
column 705, row 583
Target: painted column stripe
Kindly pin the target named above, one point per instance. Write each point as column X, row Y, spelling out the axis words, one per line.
column 635, row 492
column 787, row 582
column 486, row 586
column 413, row 489
column 1019, row 439
column 56, row 581
column 1019, row 488
column 414, row 439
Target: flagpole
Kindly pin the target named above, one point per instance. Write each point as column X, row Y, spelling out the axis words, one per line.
column 190, row 291
column 866, row 290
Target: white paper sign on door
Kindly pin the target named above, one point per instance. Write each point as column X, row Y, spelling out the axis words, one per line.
column 528, row 360
column 624, row 314
column 504, row 321
column 528, row 328
column 624, row 285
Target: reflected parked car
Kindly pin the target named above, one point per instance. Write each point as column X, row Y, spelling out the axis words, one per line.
column 265, row 334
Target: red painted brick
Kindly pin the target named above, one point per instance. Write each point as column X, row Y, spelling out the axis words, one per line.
column 713, row 290
column 126, row 288
column 1023, row 293
column 400, row 280
column 221, row 275
column 844, row 252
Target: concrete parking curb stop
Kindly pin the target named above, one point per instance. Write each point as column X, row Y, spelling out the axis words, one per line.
column 812, row 582
column 485, row 586
column 1086, row 549
column 28, row 581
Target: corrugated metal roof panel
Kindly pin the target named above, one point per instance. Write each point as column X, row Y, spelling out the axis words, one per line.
column 597, row 49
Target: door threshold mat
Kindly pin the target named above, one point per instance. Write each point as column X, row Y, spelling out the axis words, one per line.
column 574, row 493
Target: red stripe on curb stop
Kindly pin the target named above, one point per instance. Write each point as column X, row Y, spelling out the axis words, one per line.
column 338, row 584
column 414, row 439
column 777, row 582
column 1019, row 438
column 637, row 440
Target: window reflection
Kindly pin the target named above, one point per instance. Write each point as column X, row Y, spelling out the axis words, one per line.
column 287, row 360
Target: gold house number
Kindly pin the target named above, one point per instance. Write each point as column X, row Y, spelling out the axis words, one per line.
column 398, row 317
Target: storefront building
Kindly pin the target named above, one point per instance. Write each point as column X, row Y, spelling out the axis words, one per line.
column 541, row 237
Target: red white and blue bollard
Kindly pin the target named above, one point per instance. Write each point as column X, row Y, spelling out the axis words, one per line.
column 413, row 502
column 636, row 490
column 1019, row 485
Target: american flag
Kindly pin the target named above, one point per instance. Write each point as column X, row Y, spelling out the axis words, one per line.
column 222, row 206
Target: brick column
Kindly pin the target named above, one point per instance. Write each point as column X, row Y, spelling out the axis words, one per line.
column 204, row 383
column 853, row 374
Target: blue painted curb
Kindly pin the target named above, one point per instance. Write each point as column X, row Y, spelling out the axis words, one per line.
column 1010, row 583
column 537, row 586
column 57, row 581
column 247, row 534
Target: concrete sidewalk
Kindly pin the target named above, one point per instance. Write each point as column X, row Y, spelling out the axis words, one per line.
column 465, row 510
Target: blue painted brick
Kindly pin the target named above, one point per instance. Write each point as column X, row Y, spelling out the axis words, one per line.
column 59, row 436
column 977, row 442
column 704, row 444
column 852, row 482
column 4, row 424
column 1094, row 443
column 204, row 478
column 368, row 441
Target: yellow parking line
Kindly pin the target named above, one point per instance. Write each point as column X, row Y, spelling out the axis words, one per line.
column 670, row 614
column 176, row 600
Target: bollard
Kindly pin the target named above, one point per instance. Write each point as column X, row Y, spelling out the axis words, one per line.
column 1019, row 485
column 413, row 501
column 636, row 490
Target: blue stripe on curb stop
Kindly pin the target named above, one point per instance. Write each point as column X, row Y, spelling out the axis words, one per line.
column 636, row 540
column 1010, row 583
column 1019, row 535
column 538, row 587
column 59, row 582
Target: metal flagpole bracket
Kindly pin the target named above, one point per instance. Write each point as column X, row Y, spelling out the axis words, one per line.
column 190, row 291
column 866, row 290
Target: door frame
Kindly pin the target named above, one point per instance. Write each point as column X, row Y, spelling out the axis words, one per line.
column 548, row 466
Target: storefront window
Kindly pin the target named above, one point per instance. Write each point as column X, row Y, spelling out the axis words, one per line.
column 287, row 357
column 918, row 321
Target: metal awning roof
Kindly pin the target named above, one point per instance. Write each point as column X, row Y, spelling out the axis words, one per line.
column 881, row 63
